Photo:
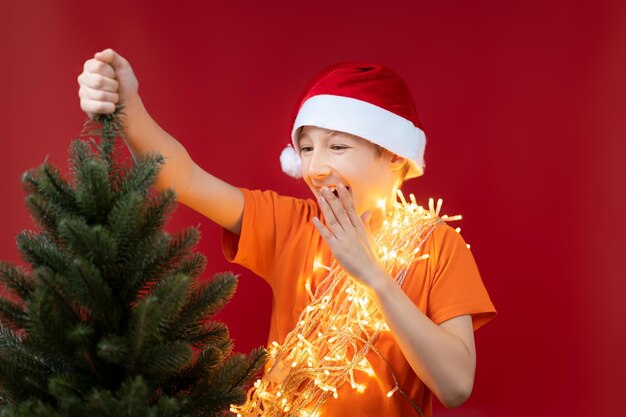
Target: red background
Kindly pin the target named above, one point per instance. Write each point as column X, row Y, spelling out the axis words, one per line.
column 523, row 105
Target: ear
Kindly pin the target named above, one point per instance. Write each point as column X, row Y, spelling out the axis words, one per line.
column 397, row 162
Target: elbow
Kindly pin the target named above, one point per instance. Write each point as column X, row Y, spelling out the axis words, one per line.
column 455, row 398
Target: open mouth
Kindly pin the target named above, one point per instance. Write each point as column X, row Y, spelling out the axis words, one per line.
column 334, row 191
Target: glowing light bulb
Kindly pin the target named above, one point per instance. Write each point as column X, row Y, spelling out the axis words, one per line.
column 401, row 197
column 390, row 393
column 318, row 265
column 439, row 203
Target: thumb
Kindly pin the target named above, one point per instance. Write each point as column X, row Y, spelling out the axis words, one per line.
column 109, row 56
column 366, row 217
column 369, row 222
column 373, row 219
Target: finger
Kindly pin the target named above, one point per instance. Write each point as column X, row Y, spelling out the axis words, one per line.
column 337, row 208
column 374, row 219
column 348, row 203
column 350, row 208
column 99, row 95
column 329, row 215
column 365, row 219
column 95, row 66
column 98, row 82
column 323, row 231
column 97, row 107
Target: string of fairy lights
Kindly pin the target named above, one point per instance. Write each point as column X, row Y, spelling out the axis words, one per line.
column 339, row 326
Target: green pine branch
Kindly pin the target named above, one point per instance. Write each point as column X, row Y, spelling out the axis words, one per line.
column 110, row 320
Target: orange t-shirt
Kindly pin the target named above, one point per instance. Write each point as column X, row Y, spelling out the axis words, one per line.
column 279, row 243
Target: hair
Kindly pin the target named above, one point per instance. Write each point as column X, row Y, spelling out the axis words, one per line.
column 380, row 151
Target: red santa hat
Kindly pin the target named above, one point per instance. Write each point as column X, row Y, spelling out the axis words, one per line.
column 366, row 100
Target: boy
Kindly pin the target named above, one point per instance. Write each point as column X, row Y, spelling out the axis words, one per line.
column 358, row 136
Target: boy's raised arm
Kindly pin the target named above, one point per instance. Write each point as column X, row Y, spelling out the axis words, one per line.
column 108, row 79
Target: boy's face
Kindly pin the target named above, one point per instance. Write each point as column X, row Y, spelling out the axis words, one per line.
column 331, row 157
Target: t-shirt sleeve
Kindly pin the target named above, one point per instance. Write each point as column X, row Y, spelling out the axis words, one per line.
column 271, row 225
column 456, row 288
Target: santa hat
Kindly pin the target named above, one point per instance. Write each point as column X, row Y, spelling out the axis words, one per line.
column 366, row 100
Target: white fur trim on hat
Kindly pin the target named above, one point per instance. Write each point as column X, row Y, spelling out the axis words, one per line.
column 290, row 162
column 360, row 118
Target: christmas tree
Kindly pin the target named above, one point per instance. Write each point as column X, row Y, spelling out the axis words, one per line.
column 110, row 320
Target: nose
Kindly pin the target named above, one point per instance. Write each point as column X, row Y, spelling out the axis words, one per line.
column 316, row 164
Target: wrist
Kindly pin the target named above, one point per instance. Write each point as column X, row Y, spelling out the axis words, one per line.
column 132, row 104
column 135, row 114
column 380, row 282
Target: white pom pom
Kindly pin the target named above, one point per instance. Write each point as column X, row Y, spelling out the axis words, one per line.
column 290, row 162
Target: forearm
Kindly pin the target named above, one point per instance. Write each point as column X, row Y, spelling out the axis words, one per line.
column 194, row 187
column 440, row 359
column 144, row 135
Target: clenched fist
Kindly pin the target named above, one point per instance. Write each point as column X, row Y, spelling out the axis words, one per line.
column 107, row 79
